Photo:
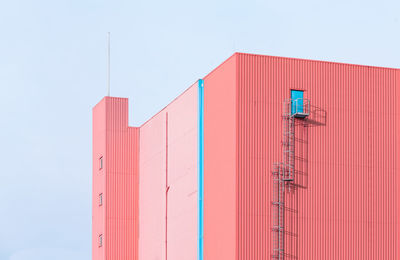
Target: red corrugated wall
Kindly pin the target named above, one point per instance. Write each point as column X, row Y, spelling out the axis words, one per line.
column 345, row 204
column 118, row 144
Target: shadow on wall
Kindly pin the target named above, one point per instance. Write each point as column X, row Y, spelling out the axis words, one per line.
column 317, row 118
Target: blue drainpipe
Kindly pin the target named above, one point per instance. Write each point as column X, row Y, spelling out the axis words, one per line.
column 200, row 246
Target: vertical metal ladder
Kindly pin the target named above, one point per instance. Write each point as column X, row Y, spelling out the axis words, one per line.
column 288, row 139
column 278, row 210
column 283, row 173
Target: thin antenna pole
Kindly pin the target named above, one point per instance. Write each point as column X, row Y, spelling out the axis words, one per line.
column 108, row 64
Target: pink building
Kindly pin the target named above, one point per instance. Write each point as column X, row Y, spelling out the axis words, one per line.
column 264, row 158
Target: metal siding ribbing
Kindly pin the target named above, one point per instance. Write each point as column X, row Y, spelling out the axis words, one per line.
column 345, row 200
column 121, row 194
column 396, row 157
column 98, row 176
column 254, row 158
column 345, row 204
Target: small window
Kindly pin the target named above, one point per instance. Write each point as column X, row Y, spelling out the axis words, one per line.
column 297, row 97
column 101, row 240
column 101, row 163
column 100, row 199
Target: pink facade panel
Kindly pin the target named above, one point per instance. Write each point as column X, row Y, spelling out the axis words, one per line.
column 115, row 177
column 220, row 193
column 152, row 182
column 98, row 178
column 168, row 181
column 344, row 203
column 182, row 176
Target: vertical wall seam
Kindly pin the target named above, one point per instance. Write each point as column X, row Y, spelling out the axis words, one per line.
column 166, row 186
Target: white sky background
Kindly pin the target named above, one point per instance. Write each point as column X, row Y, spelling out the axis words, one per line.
column 53, row 71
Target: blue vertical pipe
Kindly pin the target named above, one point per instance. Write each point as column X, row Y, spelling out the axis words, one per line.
column 200, row 246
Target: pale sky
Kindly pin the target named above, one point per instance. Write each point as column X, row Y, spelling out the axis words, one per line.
column 53, row 71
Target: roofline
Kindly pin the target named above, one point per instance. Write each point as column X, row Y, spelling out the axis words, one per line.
column 220, row 65
column 194, row 84
column 311, row 60
column 260, row 55
column 172, row 101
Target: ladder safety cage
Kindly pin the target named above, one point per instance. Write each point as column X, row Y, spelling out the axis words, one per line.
column 283, row 173
column 288, row 146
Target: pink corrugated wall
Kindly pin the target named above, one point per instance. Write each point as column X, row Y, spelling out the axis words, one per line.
column 152, row 189
column 98, row 178
column 168, row 181
column 182, row 176
column 345, row 204
column 117, row 218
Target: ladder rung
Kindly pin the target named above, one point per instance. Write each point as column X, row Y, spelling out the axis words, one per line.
column 277, row 228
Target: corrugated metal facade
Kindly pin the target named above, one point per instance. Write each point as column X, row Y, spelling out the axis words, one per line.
column 345, row 204
column 168, row 182
column 344, row 201
column 116, row 220
column 98, row 178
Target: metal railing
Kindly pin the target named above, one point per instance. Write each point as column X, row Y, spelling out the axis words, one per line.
column 299, row 107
